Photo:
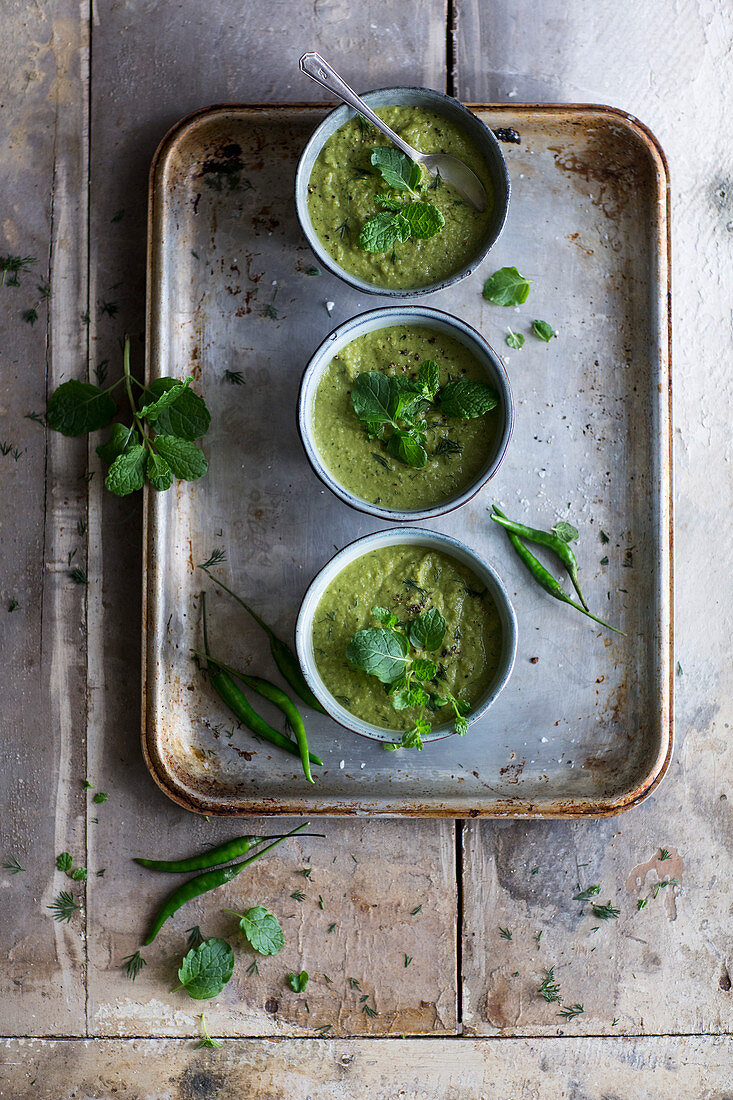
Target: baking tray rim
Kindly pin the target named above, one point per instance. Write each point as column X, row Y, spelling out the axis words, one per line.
column 512, row 808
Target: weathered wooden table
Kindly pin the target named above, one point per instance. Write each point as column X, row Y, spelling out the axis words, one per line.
column 86, row 91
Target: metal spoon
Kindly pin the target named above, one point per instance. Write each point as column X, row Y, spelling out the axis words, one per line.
column 452, row 170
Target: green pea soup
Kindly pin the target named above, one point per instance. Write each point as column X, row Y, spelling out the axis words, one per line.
column 457, row 449
column 407, row 580
column 343, row 185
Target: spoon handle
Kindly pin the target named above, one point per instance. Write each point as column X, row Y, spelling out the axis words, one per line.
column 313, row 65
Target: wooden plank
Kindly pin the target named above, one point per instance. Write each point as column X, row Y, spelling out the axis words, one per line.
column 142, row 82
column 43, row 174
column 369, row 884
column 665, row 968
column 686, row 1068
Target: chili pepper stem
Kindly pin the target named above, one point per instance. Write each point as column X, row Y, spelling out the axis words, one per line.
column 239, row 600
column 209, row 880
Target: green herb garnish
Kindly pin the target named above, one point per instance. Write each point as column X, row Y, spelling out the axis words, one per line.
column 605, row 912
column 157, row 446
column 207, row 1041
column 383, row 402
column 515, row 340
column 100, row 797
column 543, row 330
column 505, row 933
column 571, row 1011
column 298, row 982
column 386, row 652
column 549, row 989
column 206, row 969
column 642, row 903
column 13, row 266
column 506, row 287
column 447, row 446
column 664, row 854
column 195, row 937
column 398, row 221
column 11, row 864
column 586, row 895
column 63, row 906
column 132, row 965
column 262, row 929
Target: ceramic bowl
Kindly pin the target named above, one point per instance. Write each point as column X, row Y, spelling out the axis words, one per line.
column 438, row 321
column 401, row 536
column 456, row 113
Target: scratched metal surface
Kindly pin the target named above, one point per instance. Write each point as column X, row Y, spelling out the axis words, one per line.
column 583, row 729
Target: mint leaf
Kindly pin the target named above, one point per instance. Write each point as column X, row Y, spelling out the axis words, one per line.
column 127, row 472
column 64, row 862
column 184, row 458
column 187, row 417
column 424, row 219
column 387, row 202
column 404, row 446
column 380, row 232
column 120, row 439
column 384, row 616
column 159, row 473
column 407, row 399
column 515, row 340
column 428, row 630
column 467, row 399
column 412, row 739
column 428, row 378
column 506, row 287
column 152, row 411
column 381, row 653
column 401, row 699
column 565, row 531
column 423, row 669
column 396, row 169
column 298, row 982
column 262, row 929
column 371, row 397
column 76, row 408
column 206, row 969
column 543, row 330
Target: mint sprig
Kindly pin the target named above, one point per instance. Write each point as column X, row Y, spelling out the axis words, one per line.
column 394, row 654
column 383, row 402
column 159, row 444
column 398, row 221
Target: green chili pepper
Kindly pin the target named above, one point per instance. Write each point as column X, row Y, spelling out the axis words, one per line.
column 230, row 694
column 282, row 654
column 212, row 857
column 277, row 696
column 545, row 538
column 546, row 580
column 210, row 880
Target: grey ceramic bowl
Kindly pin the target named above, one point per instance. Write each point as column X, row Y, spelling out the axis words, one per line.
column 426, row 317
column 402, row 536
column 410, row 97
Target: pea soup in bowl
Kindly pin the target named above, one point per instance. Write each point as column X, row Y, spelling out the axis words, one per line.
column 406, row 636
column 380, row 222
column 405, row 412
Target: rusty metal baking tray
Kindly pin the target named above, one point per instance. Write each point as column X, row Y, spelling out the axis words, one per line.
column 584, row 725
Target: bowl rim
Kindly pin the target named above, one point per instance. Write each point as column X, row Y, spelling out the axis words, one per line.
column 391, row 537
column 320, row 360
column 301, row 187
